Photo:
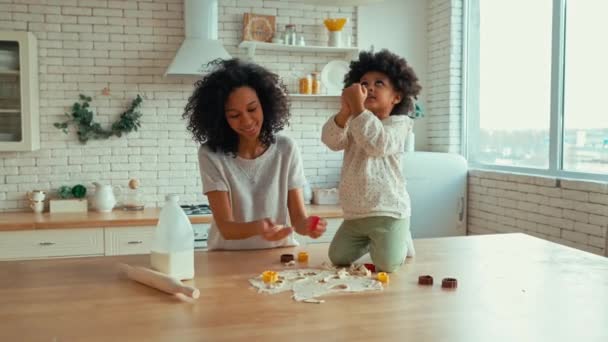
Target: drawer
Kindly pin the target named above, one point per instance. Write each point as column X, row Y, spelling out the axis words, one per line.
column 332, row 227
column 128, row 240
column 34, row 244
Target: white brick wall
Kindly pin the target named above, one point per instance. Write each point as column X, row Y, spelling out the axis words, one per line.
column 85, row 46
column 444, row 75
column 569, row 212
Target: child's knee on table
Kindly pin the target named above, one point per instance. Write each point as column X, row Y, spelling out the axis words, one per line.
column 338, row 257
column 388, row 263
column 386, row 267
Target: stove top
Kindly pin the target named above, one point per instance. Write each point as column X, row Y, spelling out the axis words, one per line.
column 196, row 209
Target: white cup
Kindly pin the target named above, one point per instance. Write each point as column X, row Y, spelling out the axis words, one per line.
column 37, row 206
column 36, row 195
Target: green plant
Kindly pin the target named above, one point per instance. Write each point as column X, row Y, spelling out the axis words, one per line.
column 82, row 117
column 64, row 192
column 418, row 111
column 79, row 191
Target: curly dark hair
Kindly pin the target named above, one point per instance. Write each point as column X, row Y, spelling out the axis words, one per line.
column 205, row 108
column 400, row 73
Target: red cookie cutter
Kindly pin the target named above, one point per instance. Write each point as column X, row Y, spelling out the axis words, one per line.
column 314, row 220
column 370, row 267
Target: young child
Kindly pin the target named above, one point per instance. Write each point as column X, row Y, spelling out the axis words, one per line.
column 371, row 127
column 252, row 176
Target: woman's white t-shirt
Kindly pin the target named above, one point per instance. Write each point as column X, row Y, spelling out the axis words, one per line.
column 257, row 188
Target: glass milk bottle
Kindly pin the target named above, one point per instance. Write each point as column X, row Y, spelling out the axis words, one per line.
column 173, row 245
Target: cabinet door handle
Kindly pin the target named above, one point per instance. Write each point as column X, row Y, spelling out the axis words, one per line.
column 46, row 243
column 135, row 242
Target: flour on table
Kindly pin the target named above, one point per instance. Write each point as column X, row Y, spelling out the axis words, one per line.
column 309, row 283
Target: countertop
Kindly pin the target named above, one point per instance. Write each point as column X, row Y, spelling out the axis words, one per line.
column 511, row 287
column 116, row 218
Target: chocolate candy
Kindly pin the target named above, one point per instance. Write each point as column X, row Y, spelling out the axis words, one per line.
column 449, row 283
column 287, row 258
column 425, row 280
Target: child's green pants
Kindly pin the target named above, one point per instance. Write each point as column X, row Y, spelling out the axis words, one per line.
column 385, row 238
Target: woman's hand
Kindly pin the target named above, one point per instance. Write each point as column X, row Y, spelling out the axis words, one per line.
column 270, row 231
column 355, row 96
column 312, row 226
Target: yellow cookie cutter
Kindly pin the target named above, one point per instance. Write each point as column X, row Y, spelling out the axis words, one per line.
column 302, row 257
column 383, row 277
column 270, row 277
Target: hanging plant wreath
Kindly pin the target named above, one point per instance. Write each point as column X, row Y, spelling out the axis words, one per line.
column 82, row 117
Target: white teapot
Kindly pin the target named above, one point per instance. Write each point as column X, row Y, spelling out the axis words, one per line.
column 104, row 199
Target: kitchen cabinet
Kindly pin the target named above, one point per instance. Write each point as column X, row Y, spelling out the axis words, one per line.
column 19, row 117
column 128, row 240
column 31, row 236
column 32, row 244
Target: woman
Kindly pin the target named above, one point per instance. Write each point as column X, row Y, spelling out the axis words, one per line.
column 252, row 177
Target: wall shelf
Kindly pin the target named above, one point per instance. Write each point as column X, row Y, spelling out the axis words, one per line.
column 305, row 96
column 253, row 46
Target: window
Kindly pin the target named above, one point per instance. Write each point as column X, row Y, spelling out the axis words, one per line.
column 535, row 87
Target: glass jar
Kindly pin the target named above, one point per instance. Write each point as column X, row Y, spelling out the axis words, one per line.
column 132, row 200
column 290, row 34
column 315, row 83
column 306, row 85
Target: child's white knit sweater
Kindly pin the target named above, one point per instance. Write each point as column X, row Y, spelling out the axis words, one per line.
column 372, row 183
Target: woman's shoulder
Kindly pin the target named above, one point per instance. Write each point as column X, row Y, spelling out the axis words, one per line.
column 204, row 149
column 285, row 143
column 205, row 152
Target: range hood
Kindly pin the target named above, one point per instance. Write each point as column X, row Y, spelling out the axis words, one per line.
column 200, row 46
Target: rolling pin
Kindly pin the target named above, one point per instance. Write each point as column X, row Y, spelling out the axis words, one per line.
column 158, row 280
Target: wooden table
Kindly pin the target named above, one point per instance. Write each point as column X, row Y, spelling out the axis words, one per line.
column 512, row 287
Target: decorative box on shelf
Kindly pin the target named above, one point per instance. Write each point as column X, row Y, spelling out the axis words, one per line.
column 69, row 205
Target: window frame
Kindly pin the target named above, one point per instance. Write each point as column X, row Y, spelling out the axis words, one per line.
column 471, row 108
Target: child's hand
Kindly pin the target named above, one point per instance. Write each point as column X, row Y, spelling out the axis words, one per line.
column 355, row 96
column 344, row 107
column 312, row 226
column 273, row 232
column 344, row 113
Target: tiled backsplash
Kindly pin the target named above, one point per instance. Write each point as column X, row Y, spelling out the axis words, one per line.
column 126, row 46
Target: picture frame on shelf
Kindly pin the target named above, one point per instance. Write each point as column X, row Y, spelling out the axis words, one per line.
column 258, row 27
